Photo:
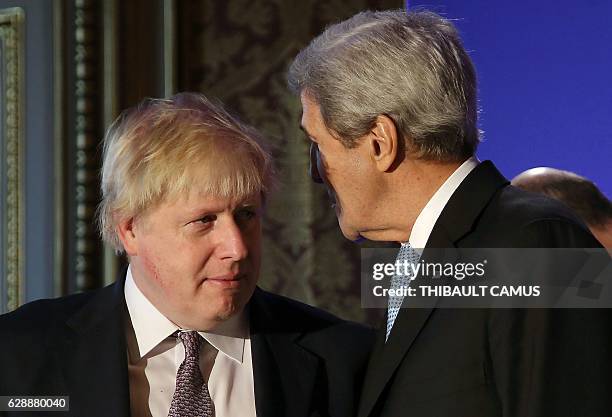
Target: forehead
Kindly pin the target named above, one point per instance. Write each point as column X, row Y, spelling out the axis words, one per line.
column 197, row 198
column 311, row 113
column 195, row 203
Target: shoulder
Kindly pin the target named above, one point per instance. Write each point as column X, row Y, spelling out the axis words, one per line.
column 516, row 217
column 315, row 325
column 41, row 314
column 292, row 314
column 29, row 335
column 523, row 207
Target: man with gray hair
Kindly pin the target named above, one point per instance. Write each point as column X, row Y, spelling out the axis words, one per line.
column 184, row 332
column 390, row 106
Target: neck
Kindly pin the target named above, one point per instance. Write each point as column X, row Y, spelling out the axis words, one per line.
column 408, row 189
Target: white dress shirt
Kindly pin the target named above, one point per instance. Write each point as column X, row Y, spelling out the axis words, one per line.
column 428, row 217
column 154, row 357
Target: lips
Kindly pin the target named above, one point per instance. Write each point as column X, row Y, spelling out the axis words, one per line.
column 226, row 277
column 225, row 281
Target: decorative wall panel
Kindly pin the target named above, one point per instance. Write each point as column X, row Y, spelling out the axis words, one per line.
column 86, row 124
column 238, row 51
column 110, row 60
column 12, row 210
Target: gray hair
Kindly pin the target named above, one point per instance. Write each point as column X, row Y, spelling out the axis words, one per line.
column 410, row 66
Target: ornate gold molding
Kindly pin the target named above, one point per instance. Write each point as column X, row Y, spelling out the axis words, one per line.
column 11, row 139
column 86, row 261
column 110, row 108
column 169, row 45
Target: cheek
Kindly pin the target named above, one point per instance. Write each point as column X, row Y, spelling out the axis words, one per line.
column 326, row 165
column 356, row 193
column 153, row 266
column 164, row 262
column 343, row 178
column 252, row 237
column 193, row 256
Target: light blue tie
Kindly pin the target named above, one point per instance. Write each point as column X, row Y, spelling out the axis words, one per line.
column 411, row 256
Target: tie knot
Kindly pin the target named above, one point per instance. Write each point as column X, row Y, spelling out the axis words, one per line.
column 192, row 342
column 408, row 253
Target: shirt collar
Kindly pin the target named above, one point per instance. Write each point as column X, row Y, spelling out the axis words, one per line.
column 151, row 327
column 230, row 336
column 428, row 217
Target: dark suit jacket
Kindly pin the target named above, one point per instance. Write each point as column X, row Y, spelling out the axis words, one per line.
column 495, row 362
column 305, row 362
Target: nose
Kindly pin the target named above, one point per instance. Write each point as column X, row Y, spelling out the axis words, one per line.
column 315, row 163
column 231, row 243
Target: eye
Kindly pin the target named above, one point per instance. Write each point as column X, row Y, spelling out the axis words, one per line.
column 206, row 219
column 245, row 214
column 203, row 224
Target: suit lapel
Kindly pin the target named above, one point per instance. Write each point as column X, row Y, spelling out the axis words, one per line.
column 93, row 359
column 455, row 221
column 386, row 357
column 284, row 371
column 465, row 205
column 266, row 376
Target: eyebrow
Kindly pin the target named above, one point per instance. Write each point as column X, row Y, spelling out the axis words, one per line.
column 248, row 202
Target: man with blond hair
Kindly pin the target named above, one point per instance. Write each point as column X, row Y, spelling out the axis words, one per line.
column 184, row 331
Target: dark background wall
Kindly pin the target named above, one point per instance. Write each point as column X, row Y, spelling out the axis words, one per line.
column 544, row 87
column 239, row 51
column 89, row 59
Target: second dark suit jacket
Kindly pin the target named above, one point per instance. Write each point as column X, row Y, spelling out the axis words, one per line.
column 495, row 362
column 305, row 362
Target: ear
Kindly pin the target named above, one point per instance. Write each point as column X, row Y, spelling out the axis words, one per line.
column 383, row 141
column 125, row 231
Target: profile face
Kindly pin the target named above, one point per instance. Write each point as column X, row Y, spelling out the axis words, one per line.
column 346, row 172
column 197, row 259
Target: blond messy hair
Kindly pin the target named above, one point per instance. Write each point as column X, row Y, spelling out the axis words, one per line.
column 165, row 148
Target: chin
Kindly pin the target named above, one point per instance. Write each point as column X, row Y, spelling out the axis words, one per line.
column 225, row 315
column 350, row 234
column 231, row 304
column 209, row 320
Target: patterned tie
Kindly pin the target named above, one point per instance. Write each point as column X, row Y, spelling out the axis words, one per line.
column 191, row 397
column 411, row 256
